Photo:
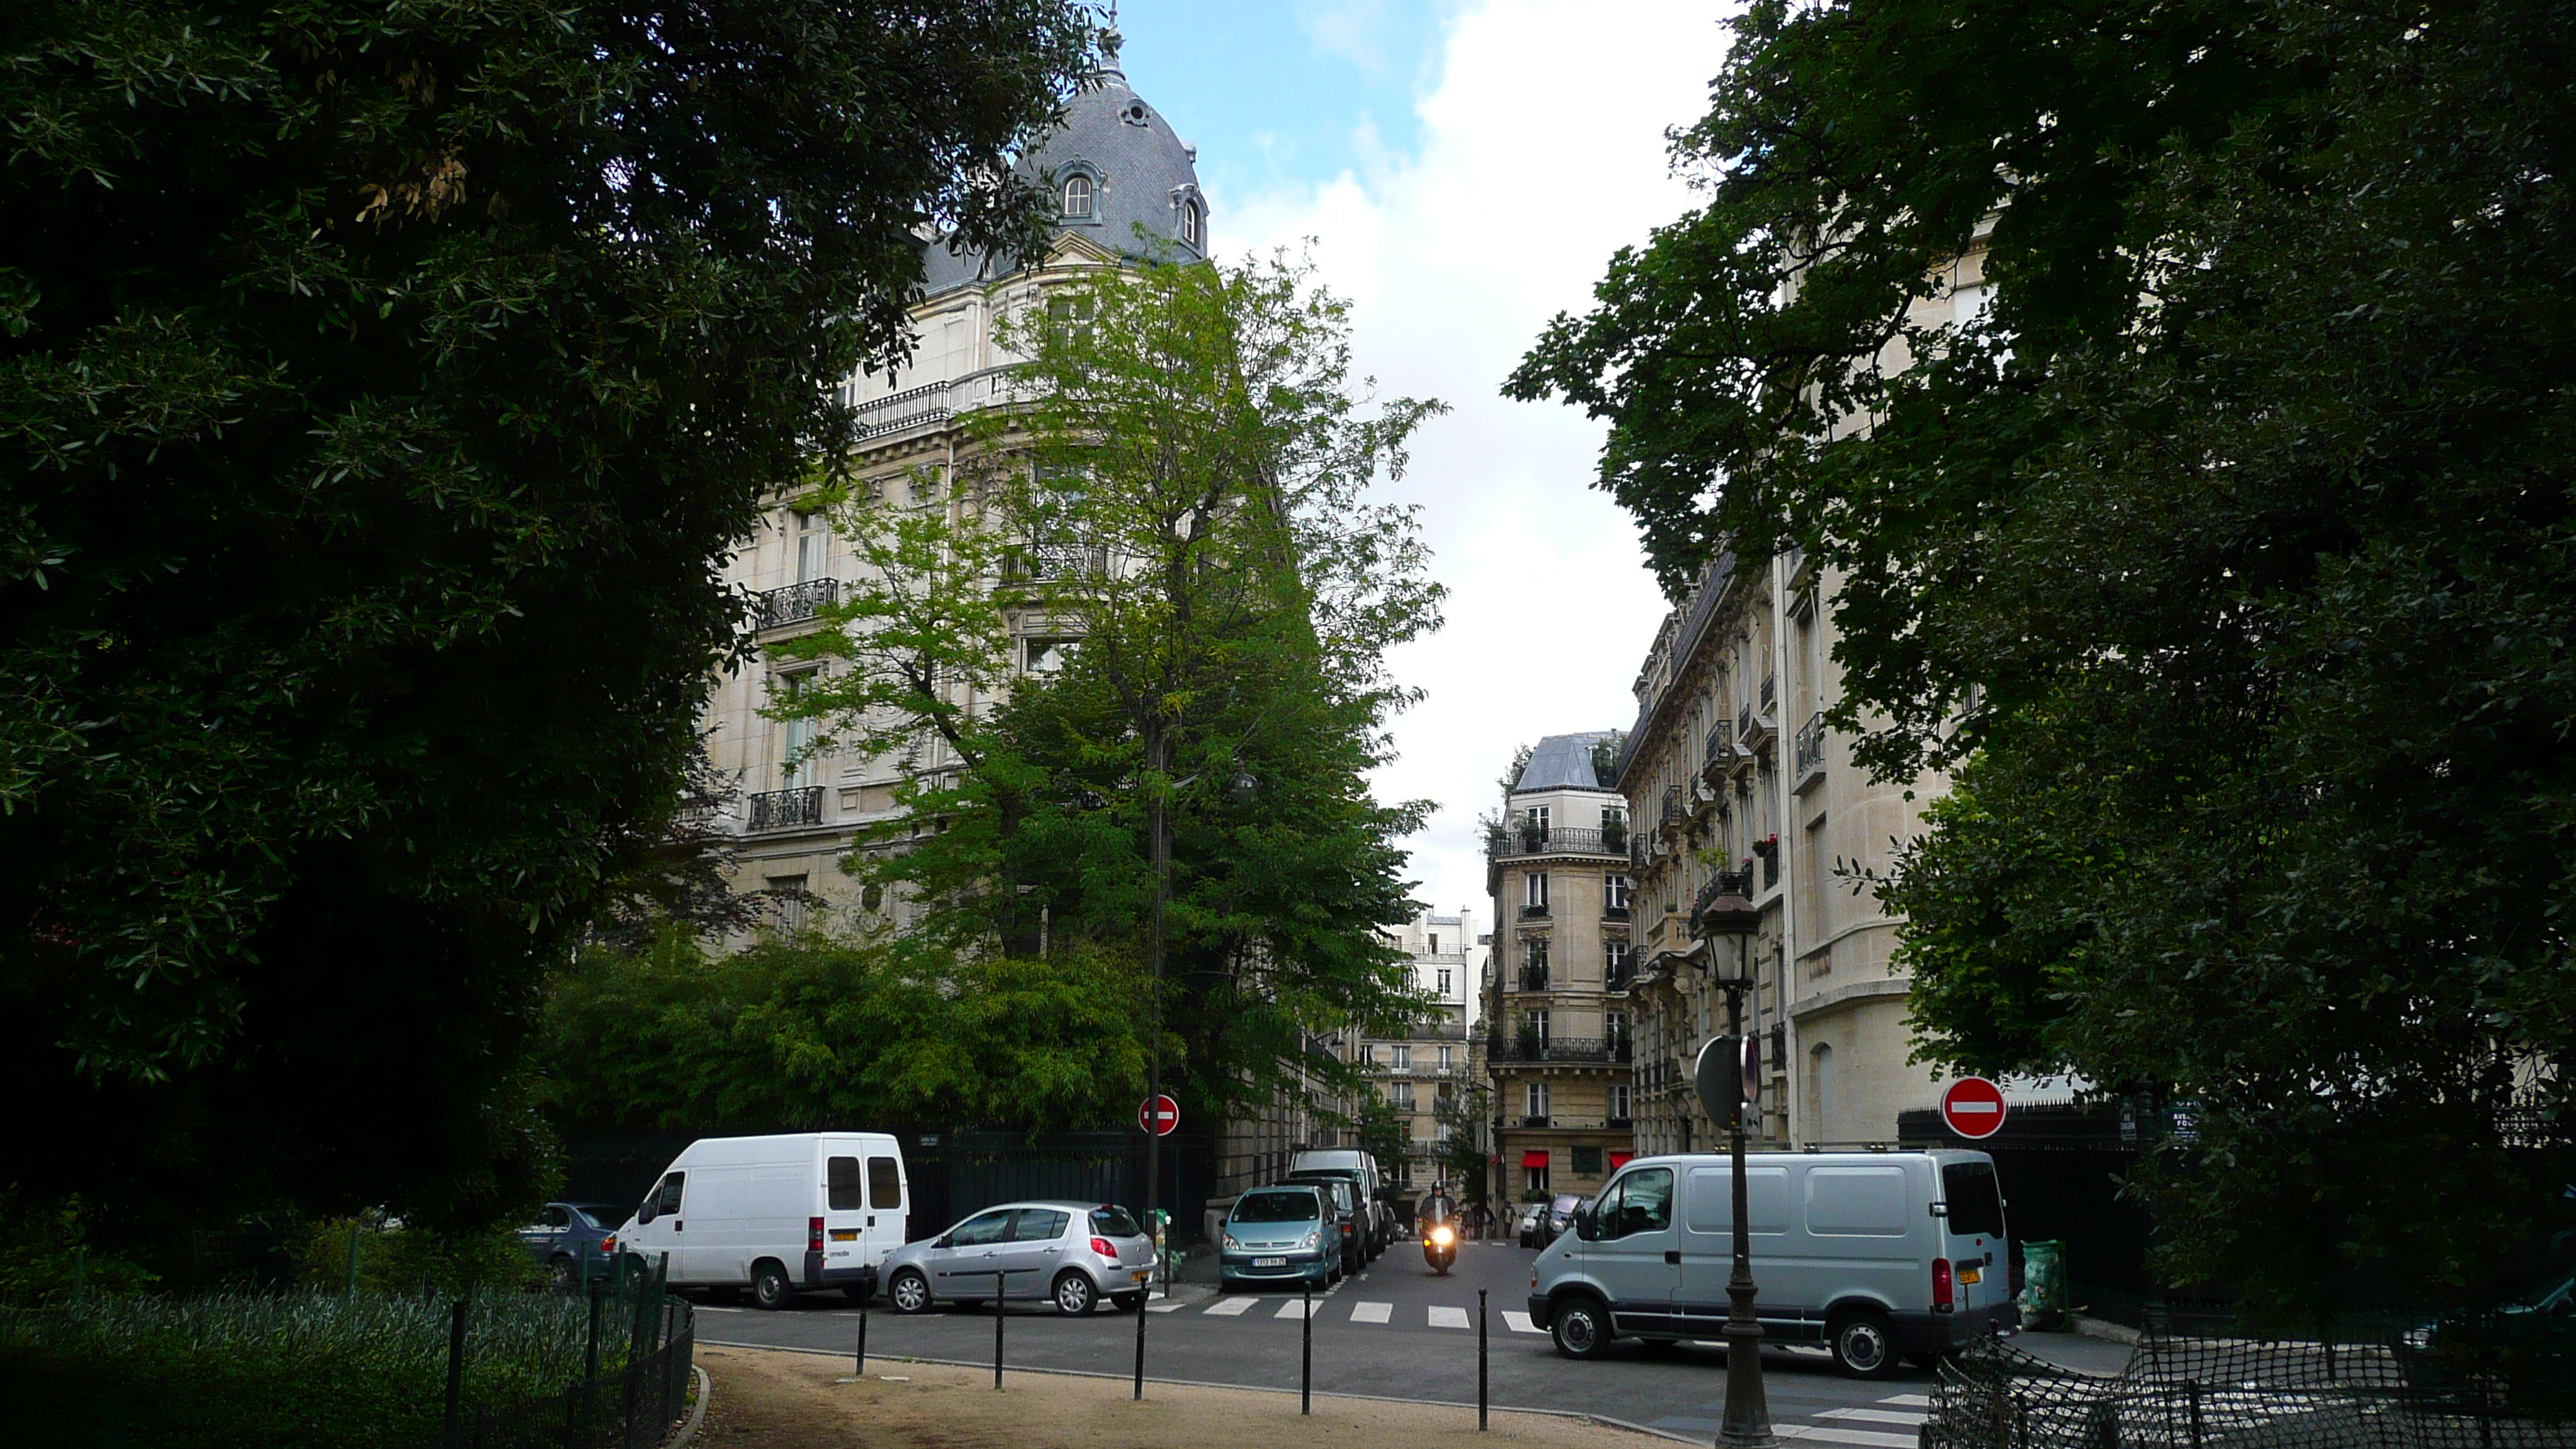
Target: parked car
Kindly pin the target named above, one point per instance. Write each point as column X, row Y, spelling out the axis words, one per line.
column 1365, row 1176
column 1071, row 1254
column 2520, row 1357
column 1880, row 1256
column 1276, row 1235
column 780, row 1214
column 1352, row 1185
column 568, row 1234
column 1353, row 1222
column 1560, row 1214
column 1532, row 1231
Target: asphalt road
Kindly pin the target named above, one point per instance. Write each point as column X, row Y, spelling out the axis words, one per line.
column 1395, row 1331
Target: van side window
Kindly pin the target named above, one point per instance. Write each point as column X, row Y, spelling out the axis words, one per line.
column 841, row 1185
column 885, row 1183
column 1975, row 1206
column 667, row 1200
column 1641, row 1202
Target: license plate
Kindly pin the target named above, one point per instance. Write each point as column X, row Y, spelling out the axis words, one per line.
column 1270, row 1262
column 1970, row 1275
column 845, row 1235
column 1142, row 1275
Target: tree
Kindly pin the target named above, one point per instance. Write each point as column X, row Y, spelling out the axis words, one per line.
column 381, row 388
column 1461, row 1116
column 1380, row 1130
column 1178, row 490
column 2222, row 559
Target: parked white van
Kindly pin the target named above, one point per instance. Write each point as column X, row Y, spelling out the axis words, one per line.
column 1880, row 1256
column 776, row 1214
column 1362, row 1170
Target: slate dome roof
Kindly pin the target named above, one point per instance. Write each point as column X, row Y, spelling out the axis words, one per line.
column 1140, row 172
column 1564, row 762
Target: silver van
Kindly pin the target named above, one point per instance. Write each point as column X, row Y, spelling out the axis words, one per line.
column 1880, row 1256
column 1366, row 1179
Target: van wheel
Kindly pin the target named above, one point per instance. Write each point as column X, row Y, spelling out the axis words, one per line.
column 1581, row 1327
column 1863, row 1344
column 1075, row 1295
column 769, row 1286
column 908, row 1291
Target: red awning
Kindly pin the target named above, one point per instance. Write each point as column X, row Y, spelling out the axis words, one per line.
column 1533, row 1158
column 1620, row 1159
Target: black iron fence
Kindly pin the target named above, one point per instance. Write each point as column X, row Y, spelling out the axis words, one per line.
column 1574, row 1049
column 797, row 602
column 1514, row 842
column 785, row 809
column 631, row 1405
column 2387, row 1386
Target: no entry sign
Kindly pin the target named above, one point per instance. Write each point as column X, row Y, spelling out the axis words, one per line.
column 1159, row 1115
column 1973, row 1108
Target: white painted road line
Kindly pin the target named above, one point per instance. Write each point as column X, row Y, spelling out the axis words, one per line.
column 1229, row 1307
column 1876, row 1416
column 1807, row 1434
column 1909, row 1401
column 1520, row 1322
column 1449, row 1318
column 1167, row 1305
column 1371, row 1312
column 1293, row 1308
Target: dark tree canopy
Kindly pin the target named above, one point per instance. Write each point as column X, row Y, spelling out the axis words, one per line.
column 2224, row 561
column 382, row 384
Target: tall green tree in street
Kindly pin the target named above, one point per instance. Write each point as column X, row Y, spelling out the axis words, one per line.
column 1178, row 493
column 2223, row 558
column 381, row 385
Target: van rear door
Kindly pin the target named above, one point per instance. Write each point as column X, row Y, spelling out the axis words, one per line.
column 844, row 1208
column 1973, row 1232
column 889, row 1202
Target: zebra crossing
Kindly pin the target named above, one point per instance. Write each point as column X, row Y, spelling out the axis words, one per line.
column 1894, row 1421
column 1363, row 1311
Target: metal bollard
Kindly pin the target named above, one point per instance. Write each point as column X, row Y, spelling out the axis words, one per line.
column 1306, row 1373
column 1141, row 1305
column 998, row 1317
column 1483, row 1418
column 861, row 1368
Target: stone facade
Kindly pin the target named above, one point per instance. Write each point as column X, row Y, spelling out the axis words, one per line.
column 1425, row 1068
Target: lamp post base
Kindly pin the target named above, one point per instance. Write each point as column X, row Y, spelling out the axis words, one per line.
column 1747, row 1423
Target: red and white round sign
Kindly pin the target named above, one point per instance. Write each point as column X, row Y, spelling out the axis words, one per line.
column 1973, row 1107
column 1159, row 1115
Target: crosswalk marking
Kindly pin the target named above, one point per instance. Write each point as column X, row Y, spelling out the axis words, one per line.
column 1448, row 1317
column 1910, row 1401
column 1861, row 1437
column 1293, row 1308
column 1876, row 1416
column 1371, row 1312
column 1519, row 1322
column 1229, row 1307
column 1166, row 1305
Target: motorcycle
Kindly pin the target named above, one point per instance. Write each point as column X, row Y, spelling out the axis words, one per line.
column 1440, row 1246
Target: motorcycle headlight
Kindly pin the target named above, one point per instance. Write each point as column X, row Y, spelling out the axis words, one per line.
column 1442, row 1236
column 1312, row 1238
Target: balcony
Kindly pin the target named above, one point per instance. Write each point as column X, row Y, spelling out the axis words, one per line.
column 1534, row 913
column 784, row 809
column 1533, row 978
column 1720, row 754
column 1519, row 841
column 1729, row 894
column 1576, row 1050
column 1614, row 913
column 901, row 410
column 1620, row 976
column 1810, row 750
column 796, row 603
column 1526, row 1122
column 1674, row 812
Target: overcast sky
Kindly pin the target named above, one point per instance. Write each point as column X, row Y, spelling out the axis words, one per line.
column 1466, row 169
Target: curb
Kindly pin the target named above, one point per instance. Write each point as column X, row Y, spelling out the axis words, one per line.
column 697, row 1411
column 2105, row 1330
column 1601, row 1419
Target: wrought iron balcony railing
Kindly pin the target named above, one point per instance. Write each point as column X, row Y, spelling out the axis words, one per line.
column 797, row 602
column 1533, row 978
column 901, row 410
column 1575, row 1049
column 785, row 809
column 1811, row 745
column 1534, row 913
column 1513, row 842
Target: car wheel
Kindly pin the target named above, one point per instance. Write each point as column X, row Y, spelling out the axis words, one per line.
column 561, row 1275
column 1075, row 1295
column 908, row 1291
column 1581, row 1327
column 770, row 1288
column 1863, row 1345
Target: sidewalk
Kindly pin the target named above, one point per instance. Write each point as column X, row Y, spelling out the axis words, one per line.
column 779, row 1400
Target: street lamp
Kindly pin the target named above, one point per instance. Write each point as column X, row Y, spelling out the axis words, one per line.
column 1725, row 909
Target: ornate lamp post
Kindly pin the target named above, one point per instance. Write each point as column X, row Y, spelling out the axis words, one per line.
column 1724, row 1077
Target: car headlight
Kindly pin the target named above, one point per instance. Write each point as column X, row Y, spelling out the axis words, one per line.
column 1312, row 1238
column 1231, row 1245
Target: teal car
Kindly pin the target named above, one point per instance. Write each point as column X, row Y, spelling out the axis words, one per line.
column 1277, row 1235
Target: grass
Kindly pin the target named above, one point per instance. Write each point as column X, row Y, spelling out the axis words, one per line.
column 283, row 1371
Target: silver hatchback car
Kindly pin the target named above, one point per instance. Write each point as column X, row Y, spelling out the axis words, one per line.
column 1069, row 1253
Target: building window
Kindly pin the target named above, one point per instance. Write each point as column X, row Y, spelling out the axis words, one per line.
column 1614, row 892
column 1190, row 222
column 1615, row 959
column 1536, row 1096
column 788, row 901
column 1534, row 890
column 1435, row 947
column 1820, row 1094
column 1049, row 656
column 1069, row 320
column 813, row 546
column 1614, row 1025
column 1587, row 1162
column 1367, row 1054
column 1444, row 983
column 1534, row 1027
column 1077, row 196
column 1619, row 1102
column 1403, row 1057
column 795, row 760
column 1446, row 1060
column 1534, row 1177
column 1403, row 1094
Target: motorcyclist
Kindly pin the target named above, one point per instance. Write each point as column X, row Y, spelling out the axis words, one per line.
column 1439, row 1218
column 1437, row 1208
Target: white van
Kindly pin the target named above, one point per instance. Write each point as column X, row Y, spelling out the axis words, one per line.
column 1362, row 1170
column 1880, row 1256
column 776, row 1214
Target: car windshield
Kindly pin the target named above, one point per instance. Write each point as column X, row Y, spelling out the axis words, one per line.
column 1113, row 1222
column 599, row 1214
column 1276, row 1207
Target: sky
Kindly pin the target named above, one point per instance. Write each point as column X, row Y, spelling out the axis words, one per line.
column 1465, row 168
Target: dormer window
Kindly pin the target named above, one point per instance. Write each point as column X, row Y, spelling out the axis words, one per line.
column 1190, row 222
column 1077, row 196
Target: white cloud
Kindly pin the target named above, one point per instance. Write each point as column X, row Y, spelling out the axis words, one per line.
column 1541, row 152
column 1354, row 30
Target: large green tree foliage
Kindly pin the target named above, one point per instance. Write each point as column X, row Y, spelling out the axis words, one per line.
column 1179, row 488
column 2226, row 559
column 381, row 386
